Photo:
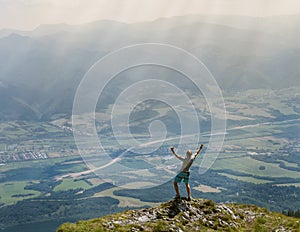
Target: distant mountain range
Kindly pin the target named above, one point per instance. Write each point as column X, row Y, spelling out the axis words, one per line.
column 41, row 69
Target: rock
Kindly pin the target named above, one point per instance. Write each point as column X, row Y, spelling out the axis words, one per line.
column 196, row 215
column 282, row 229
column 209, row 223
column 224, row 207
column 143, row 219
column 111, row 225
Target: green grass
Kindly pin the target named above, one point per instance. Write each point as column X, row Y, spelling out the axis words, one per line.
column 253, row 140
column 8, row 189
column 294, row 165
column 80, row 167
column 15, row 131
column 34, row 163
column 2, row 147
column 282, row 107
column 251, row 166
column 67, row 184
column 229, row 155
column 124, row 201
column 246, row 179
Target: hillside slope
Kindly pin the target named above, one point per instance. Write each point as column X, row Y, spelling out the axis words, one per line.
column 182, row 215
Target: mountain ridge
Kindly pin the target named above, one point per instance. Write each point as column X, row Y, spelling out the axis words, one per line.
column 223, row 19
column 182, row 215
column 52, row 66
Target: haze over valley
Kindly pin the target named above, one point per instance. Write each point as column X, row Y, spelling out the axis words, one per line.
column 44, row 181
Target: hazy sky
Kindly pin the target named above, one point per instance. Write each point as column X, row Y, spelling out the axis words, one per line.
column 28, row 14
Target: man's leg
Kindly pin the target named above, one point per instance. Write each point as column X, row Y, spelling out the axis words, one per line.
column 188, row 190
column 176, row 189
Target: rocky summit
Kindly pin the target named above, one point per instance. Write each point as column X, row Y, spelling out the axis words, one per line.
column 196, row 215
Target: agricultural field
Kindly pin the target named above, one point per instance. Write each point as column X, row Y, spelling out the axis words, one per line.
column 14, row 191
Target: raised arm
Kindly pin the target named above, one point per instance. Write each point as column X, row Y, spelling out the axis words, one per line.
column 174, row 153
column 198, row 151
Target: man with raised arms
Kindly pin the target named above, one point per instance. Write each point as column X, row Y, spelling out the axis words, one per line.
column 184, row 173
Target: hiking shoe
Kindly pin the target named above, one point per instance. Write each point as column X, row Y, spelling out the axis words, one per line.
column 177, row 197
column 189, row 199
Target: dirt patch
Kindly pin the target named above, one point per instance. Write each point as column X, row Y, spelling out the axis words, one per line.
column 207, row 189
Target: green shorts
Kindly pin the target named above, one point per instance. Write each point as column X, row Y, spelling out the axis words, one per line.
column 182, row 175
